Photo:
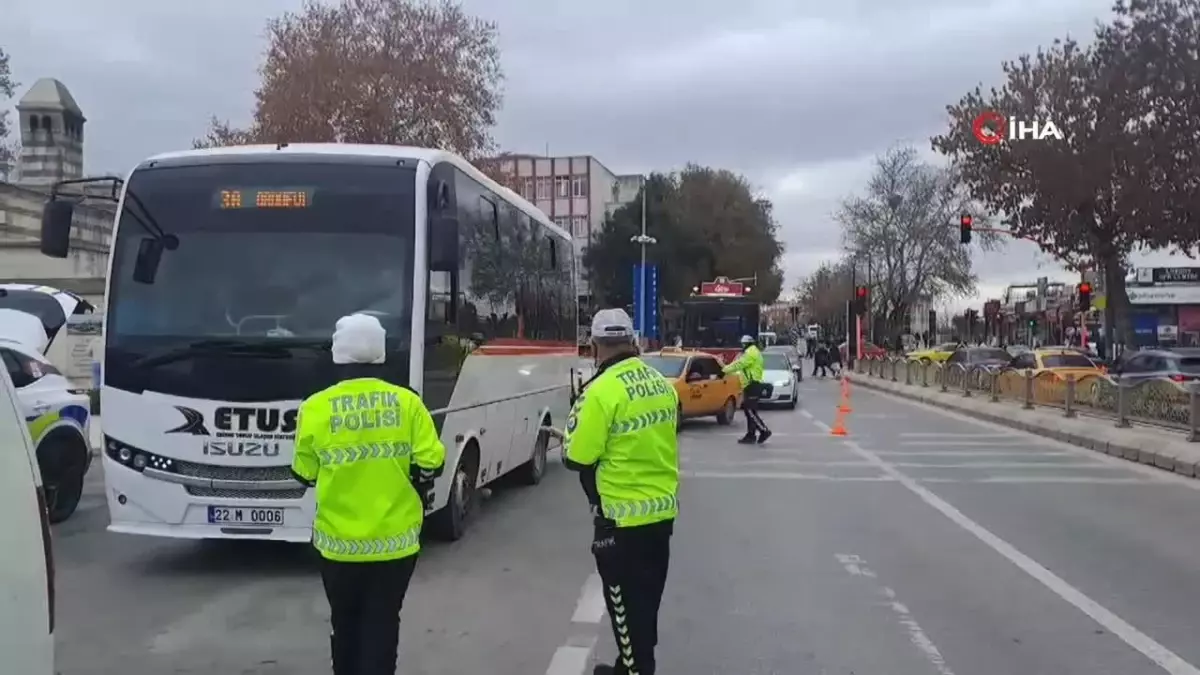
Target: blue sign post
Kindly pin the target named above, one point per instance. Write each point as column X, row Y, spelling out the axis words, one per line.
column 650, row 297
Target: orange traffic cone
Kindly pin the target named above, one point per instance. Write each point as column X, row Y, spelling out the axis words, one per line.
column 839, row 424
column 844, row 403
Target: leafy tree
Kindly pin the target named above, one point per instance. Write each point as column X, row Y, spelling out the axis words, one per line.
column 708, row 223
column 823, row 294
column 398, row 72
column 7, row 89
column 906, row 226
column 1126, row 175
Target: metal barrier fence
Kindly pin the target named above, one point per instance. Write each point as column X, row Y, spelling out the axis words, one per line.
column 1159, row 402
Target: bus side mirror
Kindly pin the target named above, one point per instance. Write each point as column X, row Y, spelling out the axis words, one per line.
column 149, row 255
column 443, row 245
column 56, row 227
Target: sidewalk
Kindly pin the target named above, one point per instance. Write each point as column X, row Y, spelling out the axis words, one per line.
column 1164, row 449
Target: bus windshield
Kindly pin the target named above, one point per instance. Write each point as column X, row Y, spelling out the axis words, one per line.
column 719, row 324
column 270, row 255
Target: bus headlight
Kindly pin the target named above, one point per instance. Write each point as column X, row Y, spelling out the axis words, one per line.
column 135, row 458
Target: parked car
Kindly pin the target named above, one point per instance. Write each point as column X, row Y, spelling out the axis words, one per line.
column 935, row 354
column 56, row 414
column 1181, row 365
column 26, row 559
column 982, row 357
column 869, row 351
column 704, row 389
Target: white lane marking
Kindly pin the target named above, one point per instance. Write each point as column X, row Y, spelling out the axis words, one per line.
column 940, row 434
column 1082, row 480
column 807, row 414
column 755, row 461
column 970, row 453
column 569, row 660
column 1146, row 470
column 590, row 608
column 856, row 566
column 1004, row 465
column 1130, row 635
column 964, row 443
column 786, row 476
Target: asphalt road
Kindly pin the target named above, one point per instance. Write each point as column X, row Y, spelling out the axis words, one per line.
column 922, row 543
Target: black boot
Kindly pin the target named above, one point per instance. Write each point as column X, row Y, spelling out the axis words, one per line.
column 604, row 669
column 748, row 438
column 762, row 438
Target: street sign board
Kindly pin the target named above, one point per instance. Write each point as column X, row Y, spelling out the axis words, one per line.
column 651, row 298
column 722, row 286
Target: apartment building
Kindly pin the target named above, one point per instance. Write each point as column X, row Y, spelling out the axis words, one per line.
column 575, row 192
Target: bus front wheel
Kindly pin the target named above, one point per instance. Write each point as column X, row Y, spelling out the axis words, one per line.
column 450, row 522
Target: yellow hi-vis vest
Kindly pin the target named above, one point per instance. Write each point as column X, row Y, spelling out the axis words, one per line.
column 358, row 440
column 621, row 437
column 749, row 366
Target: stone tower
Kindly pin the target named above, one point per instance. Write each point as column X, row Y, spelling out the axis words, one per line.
column 51, row 135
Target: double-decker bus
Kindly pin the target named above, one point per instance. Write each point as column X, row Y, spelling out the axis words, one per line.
column 228, row 270
column 717, row 316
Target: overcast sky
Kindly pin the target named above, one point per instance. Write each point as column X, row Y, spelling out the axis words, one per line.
column 799, row 96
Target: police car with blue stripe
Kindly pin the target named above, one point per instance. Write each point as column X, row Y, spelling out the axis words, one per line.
column 57, row 414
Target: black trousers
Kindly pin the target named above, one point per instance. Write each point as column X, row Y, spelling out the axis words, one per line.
column 365, row 599
column 633, row 562
column 754, row 421
column 824, row 370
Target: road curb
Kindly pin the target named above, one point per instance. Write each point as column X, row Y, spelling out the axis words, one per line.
column 1144, row 445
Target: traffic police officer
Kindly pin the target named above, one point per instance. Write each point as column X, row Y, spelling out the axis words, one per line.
column 372, row 451
column 620, row 437
column 750, row 366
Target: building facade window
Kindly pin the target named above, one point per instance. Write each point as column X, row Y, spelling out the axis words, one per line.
column 562, row 221
column 579, row 226
column 562, row 186
column 579, row 186
column 543, row 188
column 527, row 188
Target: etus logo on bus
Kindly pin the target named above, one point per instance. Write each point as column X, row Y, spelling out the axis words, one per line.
column 992, row 128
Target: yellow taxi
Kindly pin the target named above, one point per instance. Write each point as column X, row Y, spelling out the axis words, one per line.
column 703, row 388
column 1061, row 361
column 936, row 354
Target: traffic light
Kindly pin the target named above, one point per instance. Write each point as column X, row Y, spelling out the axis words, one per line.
column 1085, row 296
column 964, row 228
column 861, row 299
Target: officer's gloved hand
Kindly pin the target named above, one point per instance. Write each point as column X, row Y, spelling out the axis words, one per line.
column 422, row 482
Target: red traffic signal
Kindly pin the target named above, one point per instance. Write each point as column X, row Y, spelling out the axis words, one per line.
column 964, row 228
column 861, row 292
column 967, row 221
column 1084, row 296
column 1085, row 287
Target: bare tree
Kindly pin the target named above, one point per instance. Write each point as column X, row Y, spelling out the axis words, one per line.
column 8, row 149
column 823, row 295
column 398, row 72
column 906, row 225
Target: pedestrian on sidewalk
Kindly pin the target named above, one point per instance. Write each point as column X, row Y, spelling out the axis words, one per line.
column 621, row 438
column 370, row 505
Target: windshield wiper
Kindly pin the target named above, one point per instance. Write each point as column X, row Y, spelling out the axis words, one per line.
column 281, row 349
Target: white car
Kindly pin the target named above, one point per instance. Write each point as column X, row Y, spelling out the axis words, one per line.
column 26, row 560
column 782, row 374
column 57, row 415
